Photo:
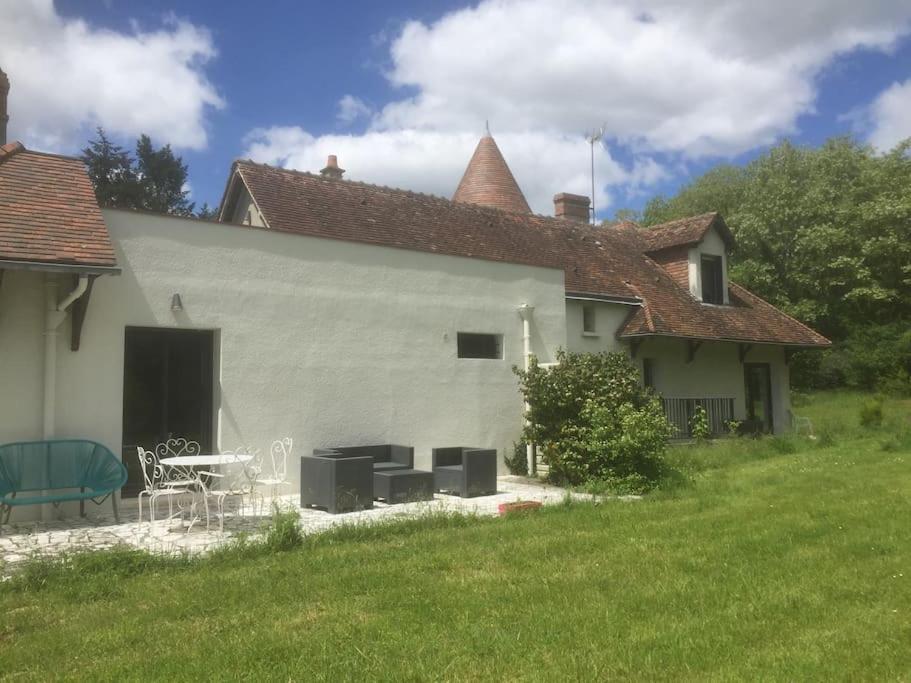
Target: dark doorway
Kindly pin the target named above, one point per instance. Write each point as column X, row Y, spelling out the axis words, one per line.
column 167, row 392
column 758, row 377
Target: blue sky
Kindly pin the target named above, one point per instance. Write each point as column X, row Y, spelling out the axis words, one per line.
column 401, row 91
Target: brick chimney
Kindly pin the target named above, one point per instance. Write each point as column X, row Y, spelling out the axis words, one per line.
column 332, row 170
column 573, row 207
column 4, row 115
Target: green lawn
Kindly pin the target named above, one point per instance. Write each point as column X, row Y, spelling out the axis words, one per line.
column 777, row 559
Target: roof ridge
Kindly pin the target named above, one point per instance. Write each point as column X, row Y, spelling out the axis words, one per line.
column 665, row 224
column 392, row 190
column 10, row 148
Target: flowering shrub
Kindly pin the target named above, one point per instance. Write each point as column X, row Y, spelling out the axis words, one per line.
column 593, row 420
column 699, row 424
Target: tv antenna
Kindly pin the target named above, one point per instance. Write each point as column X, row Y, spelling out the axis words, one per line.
column 592, row 137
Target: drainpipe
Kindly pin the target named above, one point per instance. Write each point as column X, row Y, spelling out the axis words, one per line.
column 527, row 312
column 54, row 316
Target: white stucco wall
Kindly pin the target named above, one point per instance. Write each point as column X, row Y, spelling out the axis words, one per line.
column 608, row 319
column 325, row 341
column 21, row 355
column 713, row 245
column 716, row 372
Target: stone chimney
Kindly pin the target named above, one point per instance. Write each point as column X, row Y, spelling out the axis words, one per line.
column 573, row 207
column 332, row 170
column 4, row 115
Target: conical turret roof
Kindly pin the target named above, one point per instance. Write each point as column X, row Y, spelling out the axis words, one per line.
column 489, row 182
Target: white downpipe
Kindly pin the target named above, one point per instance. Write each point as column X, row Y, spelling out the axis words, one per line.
column 55, row 314
column 527, row 312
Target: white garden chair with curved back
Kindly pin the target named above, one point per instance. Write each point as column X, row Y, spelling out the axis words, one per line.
column 235, row 481
column 276, row 477
column 158, row 484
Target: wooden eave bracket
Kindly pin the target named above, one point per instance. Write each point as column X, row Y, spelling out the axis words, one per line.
column 788, row 352
column 692, row 346
column 80, row 306
column 634, row 347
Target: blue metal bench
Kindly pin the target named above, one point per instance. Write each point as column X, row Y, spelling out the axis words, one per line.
column 58, row 471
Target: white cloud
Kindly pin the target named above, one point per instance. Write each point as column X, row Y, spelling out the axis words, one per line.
column 433, row 162
column 67, row 77
column 351, row 108
column 709, row 77
column 670, row 81
column 890, row 116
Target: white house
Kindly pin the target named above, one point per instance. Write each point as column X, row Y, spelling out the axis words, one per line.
column 338, row 312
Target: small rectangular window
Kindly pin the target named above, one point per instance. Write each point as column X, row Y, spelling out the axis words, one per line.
column 712, row 280
column 472, row 345
column 588, row 319
column 648, row 372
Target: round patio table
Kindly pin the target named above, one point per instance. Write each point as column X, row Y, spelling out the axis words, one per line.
column 185, row 465
column 206, row 460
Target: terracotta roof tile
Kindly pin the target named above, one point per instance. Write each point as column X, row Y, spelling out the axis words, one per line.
column 606, row 261
column 48, row 211
column 685, row 231
column 489, row 182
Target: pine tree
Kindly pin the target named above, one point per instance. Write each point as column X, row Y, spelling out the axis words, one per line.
column 162, row 178
column 110, row 169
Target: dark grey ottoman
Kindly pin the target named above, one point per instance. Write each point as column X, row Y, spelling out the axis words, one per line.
column 402, row 486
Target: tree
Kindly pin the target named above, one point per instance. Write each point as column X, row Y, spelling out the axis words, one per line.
column 207, row 212
column 162, row 179
column 110, row 169
column 823, row 233
column 153, row 180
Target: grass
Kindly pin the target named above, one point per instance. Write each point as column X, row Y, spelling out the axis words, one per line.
column 776, row 559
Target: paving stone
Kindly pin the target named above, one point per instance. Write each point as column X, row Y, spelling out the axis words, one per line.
column 100, row 531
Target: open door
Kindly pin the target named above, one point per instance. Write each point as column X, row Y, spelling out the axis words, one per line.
column 167, row 392
column 758, row 378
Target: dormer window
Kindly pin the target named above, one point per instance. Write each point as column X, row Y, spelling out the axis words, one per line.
column 712, row 279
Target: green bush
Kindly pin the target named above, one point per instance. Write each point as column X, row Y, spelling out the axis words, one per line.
column 699, row 424
column 593, row 420
column 517, row 461
column 871, row 413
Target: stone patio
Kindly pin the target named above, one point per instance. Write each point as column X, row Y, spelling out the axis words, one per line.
column 21, row 540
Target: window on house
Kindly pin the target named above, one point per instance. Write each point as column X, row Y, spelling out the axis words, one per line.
column 648, row 372
column 712, row 280
column 472, row 345
column 588, row 319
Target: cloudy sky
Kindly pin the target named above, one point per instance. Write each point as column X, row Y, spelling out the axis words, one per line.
column 401, row 92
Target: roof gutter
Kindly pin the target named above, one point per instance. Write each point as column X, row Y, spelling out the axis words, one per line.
column 59, row 267
column 730, row 340
column 622, row 300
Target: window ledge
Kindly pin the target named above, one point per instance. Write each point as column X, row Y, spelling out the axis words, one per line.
column 590, row 334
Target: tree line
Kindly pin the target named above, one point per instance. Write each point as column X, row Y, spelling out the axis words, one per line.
column 824, row 234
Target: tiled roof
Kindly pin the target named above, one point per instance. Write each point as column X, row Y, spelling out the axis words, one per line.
column 304, row 203
column 603, row 261
column 48, row 211
column 489, row 182
column 685, row 231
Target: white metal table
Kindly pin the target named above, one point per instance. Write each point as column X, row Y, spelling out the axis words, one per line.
column 185, row 464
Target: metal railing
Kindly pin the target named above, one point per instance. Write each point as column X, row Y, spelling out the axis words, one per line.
column 680, row 411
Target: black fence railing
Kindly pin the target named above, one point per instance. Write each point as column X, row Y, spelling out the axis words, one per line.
column 679, row 411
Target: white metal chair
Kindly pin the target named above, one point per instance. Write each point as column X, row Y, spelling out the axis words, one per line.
column 276, row 477
column 158, row 485
column 236, row 481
